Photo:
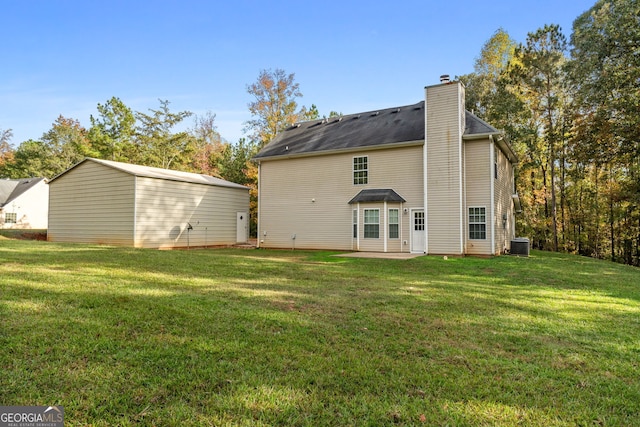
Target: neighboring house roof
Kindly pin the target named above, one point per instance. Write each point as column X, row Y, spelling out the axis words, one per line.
column 377, row 195
column 10, row 189
column 151, row 172
column 363, row 130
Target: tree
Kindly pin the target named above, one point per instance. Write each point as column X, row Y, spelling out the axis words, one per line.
column 606, row 66
column 274, row 106
column 482, row 85
column 65, row 144
column 237, row 165
column 112, row 130
column 537, row 74
column 209, row 147
column 311, row 113
column 6, row 152
column 157, row 145
column 605, row 76
column 30, row 160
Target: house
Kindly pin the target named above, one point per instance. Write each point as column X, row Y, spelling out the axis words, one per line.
column 106, row 202
column 424, row 178
column 24, row 203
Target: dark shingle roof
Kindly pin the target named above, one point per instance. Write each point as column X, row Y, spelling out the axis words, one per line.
column 370, row 129
column 399, row 124
column 475, row 125
column 375, row 195
column 10, row 189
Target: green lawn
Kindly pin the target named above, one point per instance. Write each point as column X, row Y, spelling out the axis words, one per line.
column 238, row 337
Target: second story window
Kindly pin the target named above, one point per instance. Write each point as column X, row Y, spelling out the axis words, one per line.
column 360, row 170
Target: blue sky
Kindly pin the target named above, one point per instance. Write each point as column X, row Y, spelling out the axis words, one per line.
column 64, row 57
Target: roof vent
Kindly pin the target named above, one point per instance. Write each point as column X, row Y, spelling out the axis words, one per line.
column 444, row 78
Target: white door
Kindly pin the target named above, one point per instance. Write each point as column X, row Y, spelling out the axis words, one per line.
column 241, row 227
column 418, row 235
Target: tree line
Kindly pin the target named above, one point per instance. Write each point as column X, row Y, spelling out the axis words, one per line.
column 570, row 108
column 152, row 138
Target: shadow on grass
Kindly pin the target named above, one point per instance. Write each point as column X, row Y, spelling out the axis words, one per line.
column 248, row 337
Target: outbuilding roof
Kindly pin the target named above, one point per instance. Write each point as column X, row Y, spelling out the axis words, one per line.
column 10, row 189
column 159, row 173
column 362, row 130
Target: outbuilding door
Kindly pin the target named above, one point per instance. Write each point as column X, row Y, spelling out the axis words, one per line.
column 241, row 227
column 418, row 236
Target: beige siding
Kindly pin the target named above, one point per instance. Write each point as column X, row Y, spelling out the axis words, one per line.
column 444, row 169
column 478, row 176
column 504, row 189
column 164, row 209
column 308, row 197
column 92, row 203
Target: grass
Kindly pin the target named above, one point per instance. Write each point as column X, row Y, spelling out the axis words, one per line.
column 258, row 338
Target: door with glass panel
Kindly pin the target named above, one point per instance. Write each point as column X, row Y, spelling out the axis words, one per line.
column 418, row 235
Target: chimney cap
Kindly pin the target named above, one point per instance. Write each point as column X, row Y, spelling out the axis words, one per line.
column 444, row 78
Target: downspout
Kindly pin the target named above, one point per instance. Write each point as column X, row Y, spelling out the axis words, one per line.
column 460, row 165
column 465, row 209
column 358, row 227
column 424, row 180
column 259, row 210
column 135, row 210
column 492, row 149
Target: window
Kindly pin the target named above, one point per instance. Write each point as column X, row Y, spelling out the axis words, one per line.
column 355, row 223
column 394, row 232
column 10, row 217
column 418, row 221
column 371, row 223
column 477, row 223
column 360, row 170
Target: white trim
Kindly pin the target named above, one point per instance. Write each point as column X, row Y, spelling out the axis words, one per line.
column 354, row 239
column 389, row 223
column 400, row 215
column 412, row 225
column 364, row 222
column 425, row 168
column 353, row 170
column 358, row 149
column 461, row 183
column 385, row 233
column 492, row 180
column 259, row 234
column 135, row 210
column 465, row 234
column 485, row 222
column 359, row 233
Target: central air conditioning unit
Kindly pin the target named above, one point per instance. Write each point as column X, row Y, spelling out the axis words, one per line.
column 520, row 246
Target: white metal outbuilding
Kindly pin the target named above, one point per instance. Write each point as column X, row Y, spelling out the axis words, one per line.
column 113, row 203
